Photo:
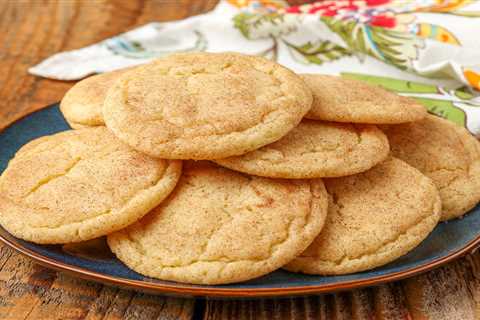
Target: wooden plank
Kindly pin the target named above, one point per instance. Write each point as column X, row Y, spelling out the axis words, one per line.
column 471, row 265
column 342, row 306
column 362, row 304
column 33, row 30
column 110, row 304
column 389, row 302
column 66, row 298
column 29, row 32
column 22, row 285
column 314, row 307
column 442, row 294
column 144, row 306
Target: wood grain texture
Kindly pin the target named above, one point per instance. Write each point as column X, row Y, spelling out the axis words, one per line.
column 31, row 31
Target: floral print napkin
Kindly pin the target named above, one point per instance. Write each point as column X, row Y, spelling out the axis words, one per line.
column 425, row 49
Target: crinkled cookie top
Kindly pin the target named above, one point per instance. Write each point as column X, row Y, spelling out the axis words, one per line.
column 205, row 105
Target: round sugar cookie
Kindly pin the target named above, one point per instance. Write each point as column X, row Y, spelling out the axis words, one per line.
column 373, row 218
column 316, row 149
column 82, row 104
column 205, row 105
column 220, row 226
column 445, row 152
column 80, row 184
column 346, row 100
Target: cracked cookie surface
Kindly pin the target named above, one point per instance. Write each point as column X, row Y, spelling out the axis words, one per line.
column 82, row 104
column 220, row 226
column 373, row 218
column 346, row 100
column 205, row 105
column 80, row 184
column 446, row 153
column 315, row 149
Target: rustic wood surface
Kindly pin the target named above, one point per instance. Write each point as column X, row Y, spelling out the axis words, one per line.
column 31, row 31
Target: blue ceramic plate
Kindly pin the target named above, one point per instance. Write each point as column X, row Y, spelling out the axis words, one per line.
column 94, row 261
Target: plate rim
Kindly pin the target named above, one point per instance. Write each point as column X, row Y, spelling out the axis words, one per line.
column 216, row 292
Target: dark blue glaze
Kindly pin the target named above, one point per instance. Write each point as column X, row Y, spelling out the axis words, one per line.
column 447, row 238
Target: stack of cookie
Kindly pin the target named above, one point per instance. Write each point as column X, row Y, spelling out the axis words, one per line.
column 279, row 171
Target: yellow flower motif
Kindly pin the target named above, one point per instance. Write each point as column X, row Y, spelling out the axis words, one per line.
column 447, row 5
column 274, row 4
column 473, row 78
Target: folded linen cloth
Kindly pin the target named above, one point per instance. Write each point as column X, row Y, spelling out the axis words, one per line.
column 426, row 49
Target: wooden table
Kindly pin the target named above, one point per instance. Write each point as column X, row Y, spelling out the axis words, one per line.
column 31, row 31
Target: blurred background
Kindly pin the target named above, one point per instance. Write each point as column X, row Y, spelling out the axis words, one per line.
column 32, row 30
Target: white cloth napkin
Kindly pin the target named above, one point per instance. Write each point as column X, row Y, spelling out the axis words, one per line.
column 426, row 49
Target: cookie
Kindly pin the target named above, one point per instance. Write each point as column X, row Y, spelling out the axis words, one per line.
column 82, row 104
column 220, row 226
column 346, row 100
column 80, row 184
column 373, row 218
column 446, row 153
column 316, row 149
column 205, row 105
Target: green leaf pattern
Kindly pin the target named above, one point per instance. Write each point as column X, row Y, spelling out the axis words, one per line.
column 390, row 46
column 454, row 105
column 257, row 26
column 317, row 52
column 136, row 50
column 393, row 46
